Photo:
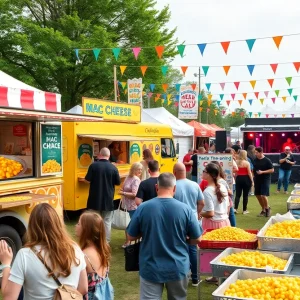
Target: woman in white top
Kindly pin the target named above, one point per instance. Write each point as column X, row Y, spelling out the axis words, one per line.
column 47, row 236
column 147, row 156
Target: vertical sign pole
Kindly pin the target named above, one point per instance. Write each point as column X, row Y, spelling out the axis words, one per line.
column 199, row 92
column 115, row 83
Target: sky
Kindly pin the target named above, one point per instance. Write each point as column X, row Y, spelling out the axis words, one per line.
column 206, row 21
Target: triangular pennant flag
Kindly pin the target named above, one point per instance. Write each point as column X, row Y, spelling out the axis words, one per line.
column 200, row 108
column 164, row 96
column 221, row 96
column 250, row 69
column 275, row 116
column 232, row 96
column 223, row 112
column 242, row 114
column 274, row 67
column 245, row 95
column 289, row 80
column 77, row 53
column 96, row 52
column 271, row 81
column 267, row 115
column 284, row 99
column 144, row 69
column 277, row 40
column 169, row 102
column 250, row 101
column 273, row 100
column 169, row 97
column 160, row 50
column 250, row 114
column 164, row 70
column 295, row 98
column 208, row 110
column 225, row 46
column 209, row 103
column 180, row 49
column 125, row 92
column 152, row 87
column 123, row 84
column 237, row 84
column 177, row 97
column 202, row 48
column 165, row 86
column 250, row 43
column 283, row 115
column 156, row 98
column 209, row 97
column 200, row 103
column 293, row 115
column 256, row 94
column 116, row 52
column 199, row 97
column 226, row 69
column 262, row 101
column 222, row 84
column 253, row 83
column 122, row 69
column 290, row 91
column 176, row 104
column 228, row 102
column 218, row 103
column 205, row 69
column 136, row 51
column 297, row 66
column 215, row 111
column 193, row 85
column 184, row 68
column 255, row 115
column 266, row 94
column 208, row 85
column 259, row 114
column 158, row 95
column 240, row 102
column 277, row 92
column 233, row 113
column 177, row 86
column 149, row 94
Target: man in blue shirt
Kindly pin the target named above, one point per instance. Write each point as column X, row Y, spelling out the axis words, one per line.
column 164, row 225
column 189, row 192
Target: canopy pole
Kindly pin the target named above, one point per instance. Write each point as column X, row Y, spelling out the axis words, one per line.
column 199, row 92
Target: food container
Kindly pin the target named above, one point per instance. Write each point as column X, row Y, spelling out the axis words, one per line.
column 297, row 186
column 21, row 161
column 295, row 192
column 275, row 243
column 206, row 244
column 218, row 294
column 220, row 269
column 291, row 205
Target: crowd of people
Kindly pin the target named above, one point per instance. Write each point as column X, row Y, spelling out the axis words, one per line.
column 168, row 211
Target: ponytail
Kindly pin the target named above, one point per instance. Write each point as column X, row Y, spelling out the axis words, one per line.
column 219, row 194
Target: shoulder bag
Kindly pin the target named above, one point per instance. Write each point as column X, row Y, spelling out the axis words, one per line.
column 132, row 253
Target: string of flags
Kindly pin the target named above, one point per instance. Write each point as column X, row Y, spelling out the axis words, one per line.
column 159, row 50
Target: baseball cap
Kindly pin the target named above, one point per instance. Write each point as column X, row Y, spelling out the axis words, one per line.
column 287, row 148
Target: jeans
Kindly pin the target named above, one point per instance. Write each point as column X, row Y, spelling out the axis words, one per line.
column 232, row 217
column 107, row 219
column 284, row 177
column 193, row 261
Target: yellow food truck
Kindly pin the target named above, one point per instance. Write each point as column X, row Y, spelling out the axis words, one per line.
column 121, row 128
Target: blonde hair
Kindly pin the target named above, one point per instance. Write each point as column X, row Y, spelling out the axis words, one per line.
column 134, row 168
column 242, row 156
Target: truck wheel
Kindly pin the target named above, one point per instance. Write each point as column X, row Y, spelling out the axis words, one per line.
column 12, row 238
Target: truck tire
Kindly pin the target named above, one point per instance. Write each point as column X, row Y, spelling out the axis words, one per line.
column 12, row 238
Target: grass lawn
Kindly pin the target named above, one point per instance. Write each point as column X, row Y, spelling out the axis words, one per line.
column 126, row 284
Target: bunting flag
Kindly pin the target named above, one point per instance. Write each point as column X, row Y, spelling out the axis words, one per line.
column 256, row 95
column 273, row 100
column 136, row 51
column 205, row 69
column 284, row 99
column 297, row 66
column 255, row 115
column 283, row 115
column 122, row 69
column 169, row 98
column 200, row 103
column 277, row 40
column 160, row 50
column 225, row 46
column 158, row 95
column 123, row 84
column 222, row 86
column 221, row 96
column 266, row 94
column 277, row 92
column 193, row 85
column 275, row 116
column 199, row 97
column 177, row 86
column 242, row 114
column 208, row 85
column 232, row 96
column 77, row 53
column 288, row 80
column 223, row 112
column 233, row 114
column 165, row 87
column 202, row 48
column 267, row 115
column 295, row 98
column 250, row 44
column 250, row 114
column 226, row 69
column 209, row 103
column 245, row 95
column 183, row 69
column 209, row 97
column 215, row 111
column 218, row 103
column 150, row 95
column 274, row 67
column 125, row 92
column 259, row 114
column 116, row 52
column 164, row 70
column 228, row 102
column 250, row 69
column 237, row 84
column 250, row 101
column 144, row 69
column 271, row 81
column 96, row 52
column 152, row 87
column 240, row 102
column 176, row 104
column 290, row 91
column 262, row 101
column 156, row 98
column 293, row 115
column 208, row 110
column 177, row 97
column 253, row 83
column 200, row 108
column 180, row 49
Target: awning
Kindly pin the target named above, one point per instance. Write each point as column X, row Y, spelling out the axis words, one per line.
column 117, row 138
column 202, row 130
column 15, row 114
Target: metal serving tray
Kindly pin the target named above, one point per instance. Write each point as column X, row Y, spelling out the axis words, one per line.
column 275, row 243
column 295, row 192
column 291, row 205
column 218, row 294
column 21, row 161
column 297, row 186
column 220, row 269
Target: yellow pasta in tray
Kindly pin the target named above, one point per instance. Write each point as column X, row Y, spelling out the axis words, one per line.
column 85, row 160
column 9, row 168
column 51, row 166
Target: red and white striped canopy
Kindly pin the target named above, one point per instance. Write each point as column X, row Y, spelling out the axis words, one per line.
column 15, row 93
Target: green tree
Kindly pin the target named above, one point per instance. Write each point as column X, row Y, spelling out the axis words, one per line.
column 235, row 120
column 38, row 39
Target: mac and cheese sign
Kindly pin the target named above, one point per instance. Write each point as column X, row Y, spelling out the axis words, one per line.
column 188, row 103
column 135, row 91
column 111, row 111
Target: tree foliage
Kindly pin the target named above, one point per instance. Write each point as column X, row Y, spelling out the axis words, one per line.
column 237, row 119
column 38, row 38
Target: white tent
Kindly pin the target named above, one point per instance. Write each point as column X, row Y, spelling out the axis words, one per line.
column 236, row 134
column 293, row 110
column 182, row 132
column 75, row 110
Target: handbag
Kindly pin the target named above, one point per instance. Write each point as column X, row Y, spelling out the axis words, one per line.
column 64, row 291
column 120, row 218
column 132, row 252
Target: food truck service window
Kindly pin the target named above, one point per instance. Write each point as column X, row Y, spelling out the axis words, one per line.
column 16, row 148
column 167, row 148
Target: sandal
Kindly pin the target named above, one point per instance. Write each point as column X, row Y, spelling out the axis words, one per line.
column 211, row 280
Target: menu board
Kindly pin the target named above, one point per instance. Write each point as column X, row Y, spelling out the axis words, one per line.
column 51, row 149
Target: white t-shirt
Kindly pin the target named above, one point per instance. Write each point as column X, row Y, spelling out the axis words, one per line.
column 211, row 203
column 29, row 271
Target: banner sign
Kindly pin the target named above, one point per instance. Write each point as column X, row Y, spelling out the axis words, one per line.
column 135, row 91
column 51, row 149
column 111, row 111
column 188, row 103
column 225, row 161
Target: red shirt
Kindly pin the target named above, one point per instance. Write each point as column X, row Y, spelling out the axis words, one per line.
column 203, row 184
column 187, row 158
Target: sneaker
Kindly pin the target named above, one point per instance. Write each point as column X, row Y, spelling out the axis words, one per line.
column 245, row 212
column 268, row 212
column 251, row 194
column 286, row 192
column 262, row 214
column 195, row 282
column 236, row 211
